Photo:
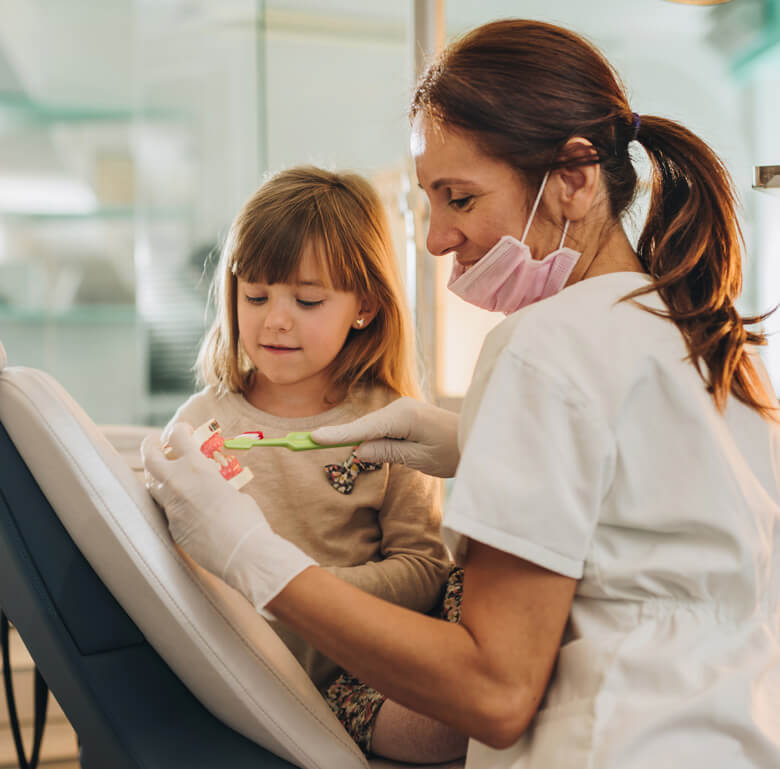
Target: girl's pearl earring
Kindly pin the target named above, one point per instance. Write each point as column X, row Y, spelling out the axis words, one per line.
column 359, row 322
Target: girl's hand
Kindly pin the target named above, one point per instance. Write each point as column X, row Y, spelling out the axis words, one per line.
column 406, row 432
column 220, row 528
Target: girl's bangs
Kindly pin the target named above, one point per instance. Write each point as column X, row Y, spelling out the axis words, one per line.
column 340, row 256
column 273, row 254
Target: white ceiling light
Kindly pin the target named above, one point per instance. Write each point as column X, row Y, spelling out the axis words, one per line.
column 45, row 195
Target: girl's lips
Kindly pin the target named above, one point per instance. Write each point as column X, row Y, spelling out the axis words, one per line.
column 279, row 349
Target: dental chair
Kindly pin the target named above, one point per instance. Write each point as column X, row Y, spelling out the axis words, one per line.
column 156, row 663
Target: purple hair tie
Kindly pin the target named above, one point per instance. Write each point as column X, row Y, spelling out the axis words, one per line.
column 637, row 122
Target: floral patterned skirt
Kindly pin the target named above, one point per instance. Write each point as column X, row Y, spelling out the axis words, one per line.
column 356, row 704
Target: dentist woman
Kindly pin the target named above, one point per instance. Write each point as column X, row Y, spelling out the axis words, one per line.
column 617, row 458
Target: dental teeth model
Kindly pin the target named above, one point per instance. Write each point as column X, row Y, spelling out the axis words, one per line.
column 210, row 441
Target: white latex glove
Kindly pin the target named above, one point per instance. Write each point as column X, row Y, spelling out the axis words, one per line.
column 407, row 432
column 220, row 528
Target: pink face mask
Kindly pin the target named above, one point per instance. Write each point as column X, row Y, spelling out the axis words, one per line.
column 507, row 277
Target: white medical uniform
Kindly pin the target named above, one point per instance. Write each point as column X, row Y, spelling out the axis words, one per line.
column 592, row 448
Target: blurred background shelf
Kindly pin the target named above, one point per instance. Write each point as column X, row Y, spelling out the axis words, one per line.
column 104, row 214
column 19, row 109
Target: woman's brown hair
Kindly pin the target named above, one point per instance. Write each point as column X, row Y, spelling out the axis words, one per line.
column 523, row 89
column 342, row 215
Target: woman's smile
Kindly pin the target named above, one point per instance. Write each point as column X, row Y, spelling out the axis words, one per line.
column 465, row 262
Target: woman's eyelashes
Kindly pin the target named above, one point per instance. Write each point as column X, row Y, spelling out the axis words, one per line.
column 463, row 203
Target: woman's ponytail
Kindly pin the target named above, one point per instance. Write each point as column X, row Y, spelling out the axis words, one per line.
column 691, row 246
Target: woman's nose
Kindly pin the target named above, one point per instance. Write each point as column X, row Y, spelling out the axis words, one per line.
column 442, row 236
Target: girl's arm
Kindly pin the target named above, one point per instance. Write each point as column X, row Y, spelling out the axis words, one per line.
column 485, row 676
column 414, row 562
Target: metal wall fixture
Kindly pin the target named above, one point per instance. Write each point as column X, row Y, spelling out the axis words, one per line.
column 767, row 178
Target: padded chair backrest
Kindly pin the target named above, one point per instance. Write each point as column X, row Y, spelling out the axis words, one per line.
column 209, row 635
column 129, row 709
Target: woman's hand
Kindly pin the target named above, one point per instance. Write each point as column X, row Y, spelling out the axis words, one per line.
column 406, row 432
column 220, row 528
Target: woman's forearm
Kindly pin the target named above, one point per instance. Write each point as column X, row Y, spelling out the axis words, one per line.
column 429, row 665
column 485, row 676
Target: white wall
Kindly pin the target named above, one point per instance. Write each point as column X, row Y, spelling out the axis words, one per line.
column 764, row 111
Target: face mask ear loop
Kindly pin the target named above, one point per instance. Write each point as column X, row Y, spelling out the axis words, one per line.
column 563, row 237
column 535, row 206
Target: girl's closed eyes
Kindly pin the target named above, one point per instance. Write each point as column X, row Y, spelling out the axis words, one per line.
column 305, row 303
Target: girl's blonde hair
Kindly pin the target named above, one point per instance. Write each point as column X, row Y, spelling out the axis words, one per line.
column 341, row 214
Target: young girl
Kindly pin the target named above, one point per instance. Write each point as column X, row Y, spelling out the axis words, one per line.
column 311, row 329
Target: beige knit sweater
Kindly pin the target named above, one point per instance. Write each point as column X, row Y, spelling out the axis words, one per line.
column 383, row 537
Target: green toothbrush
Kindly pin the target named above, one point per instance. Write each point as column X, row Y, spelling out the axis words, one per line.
column 292, row 441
